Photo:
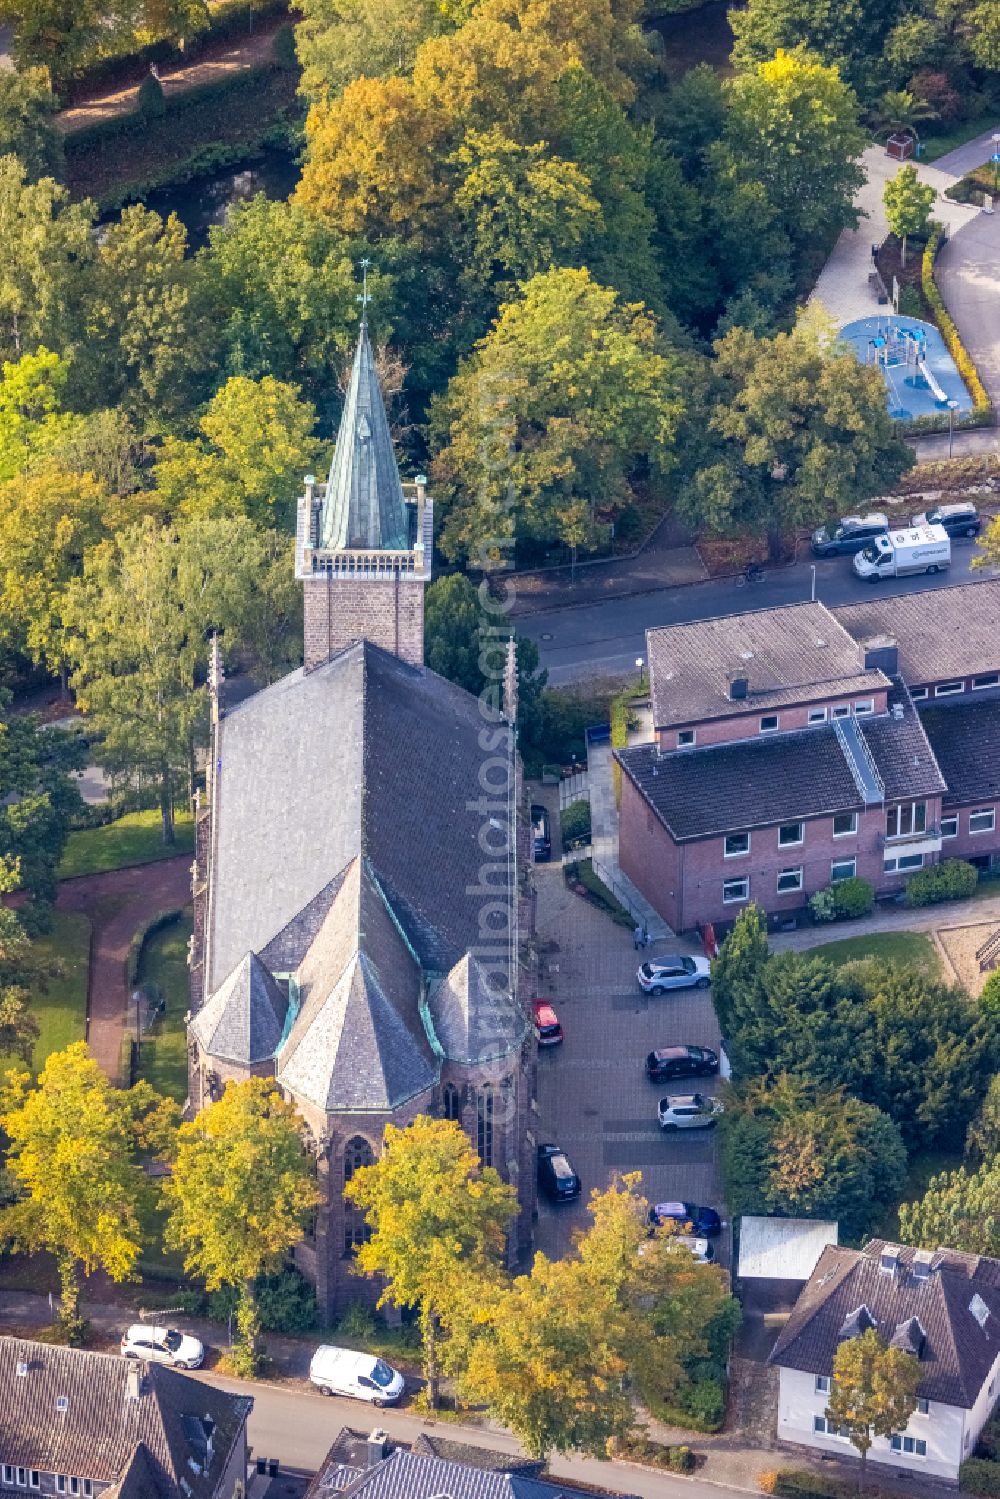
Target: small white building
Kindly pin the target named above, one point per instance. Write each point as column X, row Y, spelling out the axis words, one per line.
column 940, row 1305
column 782, row 1249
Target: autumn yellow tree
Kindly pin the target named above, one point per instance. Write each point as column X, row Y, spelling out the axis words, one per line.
column 874, row 1391
column 74, row 1155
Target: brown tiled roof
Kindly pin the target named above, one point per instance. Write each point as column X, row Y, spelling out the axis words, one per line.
column 941, row 633
column 98, row 1431
column 966, row 740
column 793, row 654
column 959, row 1348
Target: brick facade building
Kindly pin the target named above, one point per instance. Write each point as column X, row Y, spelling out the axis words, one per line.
column 355, row 908
column 793, row 747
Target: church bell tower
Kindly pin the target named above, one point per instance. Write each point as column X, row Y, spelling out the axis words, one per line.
column 364, row 540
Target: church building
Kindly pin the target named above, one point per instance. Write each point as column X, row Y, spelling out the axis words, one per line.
column 355, row 877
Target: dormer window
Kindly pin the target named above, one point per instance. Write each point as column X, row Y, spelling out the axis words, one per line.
column 769, row 723
column 686, row 738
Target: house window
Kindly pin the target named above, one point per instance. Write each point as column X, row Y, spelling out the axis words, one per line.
column 845, row 824
column 822, row 1384
column 685, row 737
column 827, row 1428
column 60, row 1483
column 735, row 890
column 949, row 827
column 923, row 1406
column 991, row 680
column 911, row 1446
column 862, row 710
column 896, row 864
column 789, row 879
column 843, row 869
column 841, row 710
column 22, row 1478
column 74, row 1485
column 484, row 1125
column 451, row 1101
column 36, row 1479
column 769, row 723
column 357, row 1153
column 948, row 689
column 790, row 834
column 88, row 1489
column 8, row 1473
column 901, row 821
column 736, row 844
column 918, row 694
column 983, row 821
column 817, row 715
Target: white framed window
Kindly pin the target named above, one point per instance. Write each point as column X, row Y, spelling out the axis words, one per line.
column 862, row 710
column 734, row 891
column 35, row 1480
column 736, row 844
column 769, row 722
column 896, row 864
column 827, row 1428
column 74, row 1485
column 907, row 818
column 8, row 1473
column 817, row 715
column 22, row 1478
column 918, row 694
column 923, row 1406
column 822, row 1385
column 911, row 1446
column 845, row 824
column 843, row 869
column 949, row 827
column 60, row 1483
column 686, row 737
column 789, row 879
column 791, row 834
column 948, row 689
column 840, row 710
column 983, row 821
column 992, row 679
column 88, row 1489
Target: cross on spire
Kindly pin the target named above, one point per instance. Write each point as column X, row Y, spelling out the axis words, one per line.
column 363, row 296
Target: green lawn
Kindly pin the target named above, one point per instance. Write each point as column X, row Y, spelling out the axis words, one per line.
column 914, row 948
column 163, row 962
column 61, row 1011
column 939, row 145
column 136, row 838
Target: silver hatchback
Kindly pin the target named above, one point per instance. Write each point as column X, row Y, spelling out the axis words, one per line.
column 688, row 1111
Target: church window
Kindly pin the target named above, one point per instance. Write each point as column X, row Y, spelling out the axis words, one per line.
column 357, row 1153
column 451, row 1100
column 484, row 1121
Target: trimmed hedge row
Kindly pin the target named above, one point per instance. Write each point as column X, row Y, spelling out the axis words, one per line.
column 949, row 332
column 953, row 879
column 140, row 938
column 803, row 1483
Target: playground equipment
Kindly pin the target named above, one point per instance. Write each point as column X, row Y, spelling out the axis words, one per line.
column 893, row 347
column 989, row 953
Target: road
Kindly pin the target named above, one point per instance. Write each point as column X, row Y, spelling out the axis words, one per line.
column 606, row 639
column 298, row 1428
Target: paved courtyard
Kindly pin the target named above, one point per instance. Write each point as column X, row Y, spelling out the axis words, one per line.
column 593, row 1096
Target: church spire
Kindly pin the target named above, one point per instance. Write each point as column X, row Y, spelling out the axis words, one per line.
column 363, row 508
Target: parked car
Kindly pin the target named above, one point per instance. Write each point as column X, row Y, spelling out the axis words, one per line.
column 848, row 535
column 163, row 1345
column 918, row 549
column 548, row 1031
column 705, row 1222
column 345, row 1371
column 958, row 520
column 674, row 971
column 541, row 834
column 680, row 1061
column 688, row 1111
column 556, row 1176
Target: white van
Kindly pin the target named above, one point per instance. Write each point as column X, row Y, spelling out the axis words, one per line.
column 918, row 549
column 344, row 1371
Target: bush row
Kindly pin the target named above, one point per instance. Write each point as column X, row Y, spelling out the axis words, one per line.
column 639, row 1449
column 802, row 1483
column 943, row 318
column 980, row 1475
column 954, row 879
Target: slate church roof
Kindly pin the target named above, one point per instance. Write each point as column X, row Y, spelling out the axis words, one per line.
column 244, row 1018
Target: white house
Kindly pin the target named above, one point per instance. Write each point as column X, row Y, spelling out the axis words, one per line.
column 940, row 1305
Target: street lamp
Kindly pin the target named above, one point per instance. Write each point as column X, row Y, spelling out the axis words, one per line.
column 952, row 408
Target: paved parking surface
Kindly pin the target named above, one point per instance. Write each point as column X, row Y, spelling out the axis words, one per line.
column 593, row 1096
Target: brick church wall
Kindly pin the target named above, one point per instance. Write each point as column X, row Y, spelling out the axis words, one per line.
column 389, row 612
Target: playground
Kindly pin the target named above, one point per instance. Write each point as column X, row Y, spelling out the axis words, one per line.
column 920, row 375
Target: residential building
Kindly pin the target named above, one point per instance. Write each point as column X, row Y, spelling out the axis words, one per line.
column 798, row 746
column 356, row 867
column 941, row 1306
column 89, row 1424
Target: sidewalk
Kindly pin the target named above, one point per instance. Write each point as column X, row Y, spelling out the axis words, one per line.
column 664, row 561
column 604, row 839
column 982, row 912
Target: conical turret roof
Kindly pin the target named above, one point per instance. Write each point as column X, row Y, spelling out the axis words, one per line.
column 364, row 508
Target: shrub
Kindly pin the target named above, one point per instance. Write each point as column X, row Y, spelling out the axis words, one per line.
column 949, row 332
column 843, row 901
column 283, row 48
column 680, row 1459
column 574, row 821
column 286, row 1302
column 768, row 1482
column 954, row 879
column 152, row 104
column 629, row 527
column 978, row 1475
column 358, row 1321
column 705, row 1399
column 823, row 905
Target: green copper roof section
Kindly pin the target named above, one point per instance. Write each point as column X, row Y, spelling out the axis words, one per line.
column 364, row 509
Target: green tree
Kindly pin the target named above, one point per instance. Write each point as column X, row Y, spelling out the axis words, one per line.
column 240, row 1194
column 27, row 131
column 874, row 1391
column 32, row 424
column 803, row 429
column 341, row 40
column 23, row 972
column 48, row 250
column 255, row 446
column 792, row 126
column 982, row 1139
column 908, row 203
column 549, row 415
column 74, row 1154
column 899, row 109
column 737, row 970
column 438, row 1220
column 848, row 35
column 37, row 800
column 960, row 1208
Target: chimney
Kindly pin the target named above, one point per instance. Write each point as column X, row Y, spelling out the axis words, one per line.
column 881, row 654
column 376, row 1447
column 738, row 688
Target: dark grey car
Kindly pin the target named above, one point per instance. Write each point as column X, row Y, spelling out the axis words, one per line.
column 848, row 535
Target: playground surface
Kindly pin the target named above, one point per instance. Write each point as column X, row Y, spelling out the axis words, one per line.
column 920, row 375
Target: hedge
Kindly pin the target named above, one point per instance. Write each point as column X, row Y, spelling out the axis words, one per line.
column 953, row 879
column 142, row 936
column 134, row 123
column 574, row 822
column 978, row 1475
column 843, row 901
column 949, row 332
column 803, row 1483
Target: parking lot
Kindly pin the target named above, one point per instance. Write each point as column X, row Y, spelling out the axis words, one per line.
column 593, row 1096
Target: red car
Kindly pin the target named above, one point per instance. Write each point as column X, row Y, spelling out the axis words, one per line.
column 548, row 1031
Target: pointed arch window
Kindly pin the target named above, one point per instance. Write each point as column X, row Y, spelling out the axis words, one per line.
column 485, row 1106
column 357, row 1153
column 451, row 1102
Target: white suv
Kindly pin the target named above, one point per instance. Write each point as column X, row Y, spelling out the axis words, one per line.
column 688, row 1111
column 163, row 1345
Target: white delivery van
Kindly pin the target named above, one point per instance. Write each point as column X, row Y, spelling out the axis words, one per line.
column 344, row 1371
column 918, row 549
